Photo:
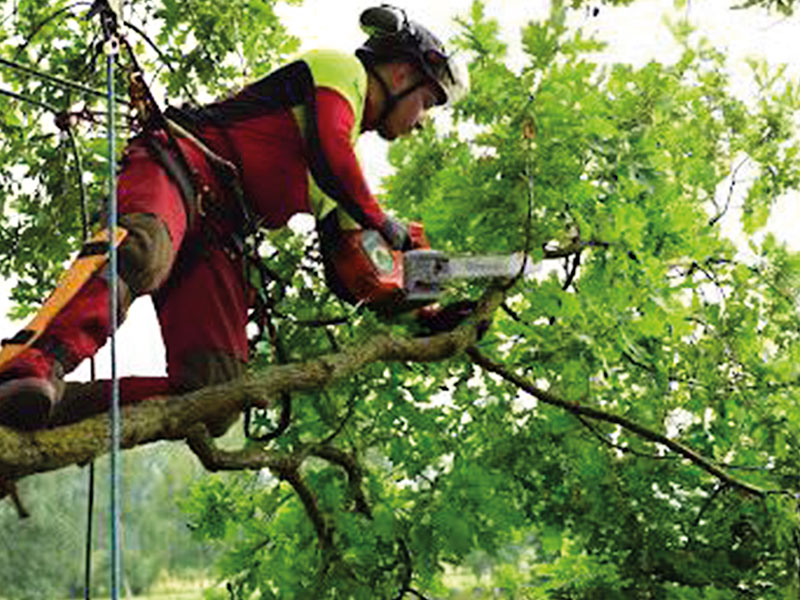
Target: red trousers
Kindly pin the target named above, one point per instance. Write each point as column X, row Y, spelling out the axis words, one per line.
column 197, row 284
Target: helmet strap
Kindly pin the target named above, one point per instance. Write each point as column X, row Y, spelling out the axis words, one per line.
column 391, row 99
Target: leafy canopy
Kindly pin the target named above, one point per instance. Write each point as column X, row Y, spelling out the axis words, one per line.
column 653, row 317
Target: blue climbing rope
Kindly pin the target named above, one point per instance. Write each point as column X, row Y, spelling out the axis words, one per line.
column 108, row 19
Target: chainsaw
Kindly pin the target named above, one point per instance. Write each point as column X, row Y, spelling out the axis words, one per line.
column 379, row 276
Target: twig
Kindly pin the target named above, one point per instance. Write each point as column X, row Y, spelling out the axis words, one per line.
column 511, row 312
column 721, row 213
column 572, row 270
column 611, row 444
column 351, row 405
column 572, row 248
column 20, row 49
column 9, row 488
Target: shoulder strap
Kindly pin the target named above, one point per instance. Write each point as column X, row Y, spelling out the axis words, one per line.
column 290, row 86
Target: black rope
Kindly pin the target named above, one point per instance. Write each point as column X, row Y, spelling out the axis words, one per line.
column 28, row 99
column 64, row 124
column 162, row 57
column 64, row 83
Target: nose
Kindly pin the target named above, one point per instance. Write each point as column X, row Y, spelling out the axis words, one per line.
column 422, row 121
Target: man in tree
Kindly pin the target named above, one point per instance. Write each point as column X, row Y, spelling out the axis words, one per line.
column 186, row 214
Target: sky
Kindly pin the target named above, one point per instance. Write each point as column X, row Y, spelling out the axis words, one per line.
column 635, row 34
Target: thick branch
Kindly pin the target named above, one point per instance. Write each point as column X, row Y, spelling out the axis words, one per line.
column 173, row 417
column 633, row 426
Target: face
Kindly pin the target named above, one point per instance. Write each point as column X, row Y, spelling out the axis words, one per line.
column 409, row 113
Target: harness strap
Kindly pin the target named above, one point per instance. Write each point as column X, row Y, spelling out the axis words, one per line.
column 152, row 119
column 390, row 99
column 178, row 172
column 290, row 86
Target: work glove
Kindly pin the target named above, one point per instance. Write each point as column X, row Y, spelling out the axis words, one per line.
column 395, row 232
column 439, row 319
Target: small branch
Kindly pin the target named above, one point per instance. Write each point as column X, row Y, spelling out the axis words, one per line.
column 9, row 488
column 721, row 213
column 355, row 474
column 593, row 430
column 719, row 488
column 594, row 413
column 252, row 458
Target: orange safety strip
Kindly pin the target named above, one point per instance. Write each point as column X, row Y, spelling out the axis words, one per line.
column 92, row 257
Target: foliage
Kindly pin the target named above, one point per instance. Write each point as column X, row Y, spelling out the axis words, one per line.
column 784, row 7
column 651, row 328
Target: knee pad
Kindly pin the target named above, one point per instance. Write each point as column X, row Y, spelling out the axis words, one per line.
column 146, row 255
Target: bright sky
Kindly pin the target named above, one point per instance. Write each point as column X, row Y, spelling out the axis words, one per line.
column 636, row 35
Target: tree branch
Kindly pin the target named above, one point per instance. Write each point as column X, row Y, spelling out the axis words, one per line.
column 284, row 466
column 9, row 488
column 637, row 428
column 355, row 474
column 625, row 449
column 175, row 417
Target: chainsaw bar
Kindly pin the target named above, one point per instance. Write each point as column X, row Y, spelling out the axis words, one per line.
column 424, row 271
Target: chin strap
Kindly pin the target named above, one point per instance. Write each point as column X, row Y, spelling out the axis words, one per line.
column 390, row 99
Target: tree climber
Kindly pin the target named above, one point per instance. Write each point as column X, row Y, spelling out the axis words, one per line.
column 290, row 137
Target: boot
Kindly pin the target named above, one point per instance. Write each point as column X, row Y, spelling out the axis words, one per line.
column 31, row 384
column 31, row 387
